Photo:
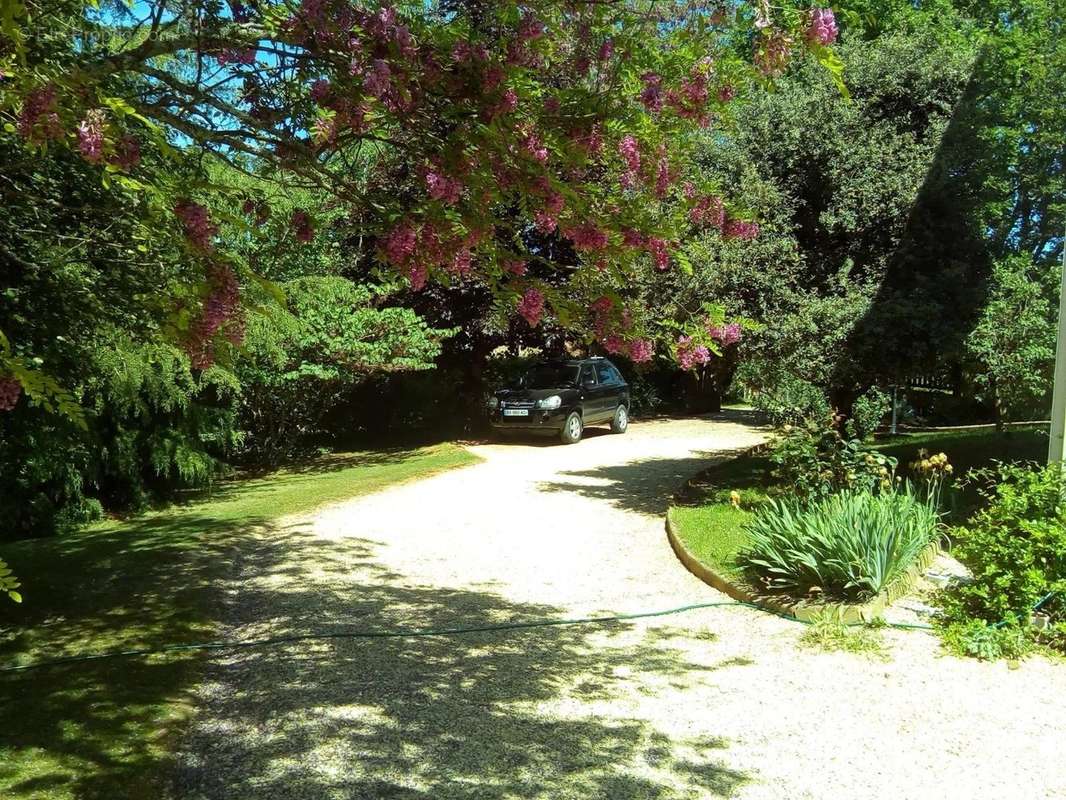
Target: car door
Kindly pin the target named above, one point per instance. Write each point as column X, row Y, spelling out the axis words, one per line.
column 591, row 394
column 611, row 387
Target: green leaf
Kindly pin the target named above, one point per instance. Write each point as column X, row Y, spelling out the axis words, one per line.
column 15, row 596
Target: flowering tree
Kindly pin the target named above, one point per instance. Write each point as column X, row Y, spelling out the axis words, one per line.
column 462, row 139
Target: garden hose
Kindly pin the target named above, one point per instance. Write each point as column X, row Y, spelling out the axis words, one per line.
column 401, row 633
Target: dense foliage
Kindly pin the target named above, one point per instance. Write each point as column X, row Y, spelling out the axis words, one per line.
column 848, row 546
column 814, row 459
column 303, row 361
column 1015, row 548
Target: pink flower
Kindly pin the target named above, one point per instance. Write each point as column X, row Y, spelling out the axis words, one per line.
column 531, row 307
column 462, row 261
column 662, row 175
column 587, row 237
column 39, row 121
column 630, row 152
column 632, row 238
column 652, row 94
column 221, row 309
column 545, row 222
column 515, row 266
column 606, row 50
column 417, row 276
column 708, row 211
column 726, row 334
column 197, row 224
column 10, row 389
column 741, row 229
column 302, row 226
column 660, row 252
column 601, row 305
column 441, row 187
column 378, row 82
column 691, row 355
column 771, row 54
column 535, row 147
column 613, row 343
column 641, row 350
column 91, row 136
column 400, row 243
column 726, row 93
column 822, row 27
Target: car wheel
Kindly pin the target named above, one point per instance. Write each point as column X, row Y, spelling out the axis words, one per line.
column 571, row 432
column 621, row 420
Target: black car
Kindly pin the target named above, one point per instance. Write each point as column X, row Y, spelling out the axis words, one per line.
column 562, row 397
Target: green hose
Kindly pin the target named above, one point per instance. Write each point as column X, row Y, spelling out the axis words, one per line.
column 401, row 633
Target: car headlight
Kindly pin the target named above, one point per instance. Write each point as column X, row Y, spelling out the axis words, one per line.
column 550, row 403
column 493, row 402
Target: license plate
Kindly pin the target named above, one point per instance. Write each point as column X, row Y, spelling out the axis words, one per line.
column 516, row 412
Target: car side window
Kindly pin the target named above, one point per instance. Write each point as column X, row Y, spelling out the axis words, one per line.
column 588, row 375
column 606, row 374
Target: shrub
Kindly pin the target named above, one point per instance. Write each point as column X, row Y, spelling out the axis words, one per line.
column 977, row 639
column 1015, row 547
column 848, row 546
column 304, row 361
column 814, row 460
column 867, row 413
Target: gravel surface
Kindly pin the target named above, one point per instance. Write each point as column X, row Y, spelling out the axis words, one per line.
column 710, row 703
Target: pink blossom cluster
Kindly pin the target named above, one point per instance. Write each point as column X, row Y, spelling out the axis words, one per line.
column 221, row 309
column 515, row 266
column 726, row 93
column 10, row 390
column 91, row 136
column 641, row 350
column 302, row 226
column 689, row 100
column 535, row 147
column 633, row 238
column 663, row 174
column 629, row 150
column 400, row 244
column 587, row 236
column 462, row 262
column 690, row 354
column 443, row 187
column 742, row 229
column 531, row 307
column 197, row 224
column 652, row 93
column 660, row 252
column 771, row 54
column 39, row 120
column 822, row 27
column 708, row 210
column 127, row 153
column 727, row 334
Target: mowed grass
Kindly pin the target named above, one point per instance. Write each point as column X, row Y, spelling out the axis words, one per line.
column 712, row 529
column 103, row 729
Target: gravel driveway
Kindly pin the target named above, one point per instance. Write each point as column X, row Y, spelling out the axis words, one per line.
column 710, row 703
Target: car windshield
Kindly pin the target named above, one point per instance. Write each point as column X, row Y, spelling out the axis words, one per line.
column 549, row 376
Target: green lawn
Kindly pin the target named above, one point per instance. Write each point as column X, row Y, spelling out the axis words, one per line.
column 103, row 729
column 713, row 530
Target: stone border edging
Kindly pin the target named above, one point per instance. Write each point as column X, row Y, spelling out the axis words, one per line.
column 802, row 610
